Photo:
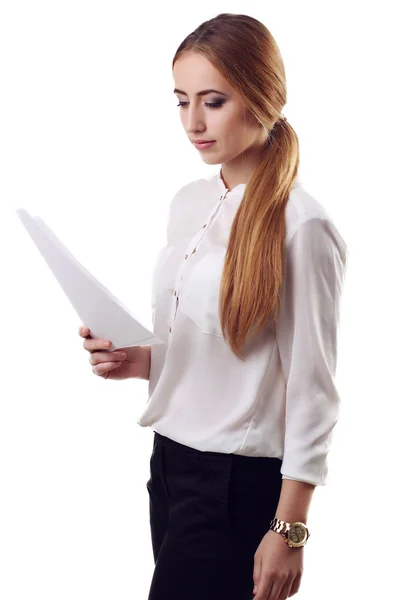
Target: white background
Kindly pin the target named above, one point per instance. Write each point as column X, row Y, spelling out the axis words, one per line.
column 91, row 140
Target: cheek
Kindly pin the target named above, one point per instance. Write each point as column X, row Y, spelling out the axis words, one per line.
column 231, row 138
column 230, row 127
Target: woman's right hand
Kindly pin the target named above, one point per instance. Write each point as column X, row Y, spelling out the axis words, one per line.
column 118, row 364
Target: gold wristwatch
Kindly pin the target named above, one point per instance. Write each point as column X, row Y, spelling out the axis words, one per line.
column 295, row 534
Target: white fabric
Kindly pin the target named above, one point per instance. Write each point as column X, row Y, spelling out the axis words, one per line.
column 281, row 401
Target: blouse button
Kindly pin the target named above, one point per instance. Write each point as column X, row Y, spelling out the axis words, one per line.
column 175, row 293
column 186, row 256
column 205, row 225
column 170, row 329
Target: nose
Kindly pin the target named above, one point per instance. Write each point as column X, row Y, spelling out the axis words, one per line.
column 194, row 121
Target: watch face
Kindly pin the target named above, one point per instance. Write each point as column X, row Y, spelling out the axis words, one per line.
column 297, row 534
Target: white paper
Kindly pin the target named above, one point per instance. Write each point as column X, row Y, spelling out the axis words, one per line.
column 96, row 306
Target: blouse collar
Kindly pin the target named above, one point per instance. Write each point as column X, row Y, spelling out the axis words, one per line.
column 238, row 189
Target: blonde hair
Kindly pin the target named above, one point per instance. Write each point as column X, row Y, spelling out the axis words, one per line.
column 247, row 56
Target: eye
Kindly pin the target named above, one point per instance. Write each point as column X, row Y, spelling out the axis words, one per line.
column 209, row 104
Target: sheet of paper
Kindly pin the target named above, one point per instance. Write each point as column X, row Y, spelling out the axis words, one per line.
column 95, row 305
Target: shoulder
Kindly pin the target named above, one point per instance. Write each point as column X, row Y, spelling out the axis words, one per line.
column 309, row 217
column 189, row 201
column 197, row 194
column 197, row 186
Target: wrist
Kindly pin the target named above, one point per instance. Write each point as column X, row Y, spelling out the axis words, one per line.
column 145, row 372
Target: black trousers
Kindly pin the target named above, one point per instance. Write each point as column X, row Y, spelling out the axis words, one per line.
column 208, row 513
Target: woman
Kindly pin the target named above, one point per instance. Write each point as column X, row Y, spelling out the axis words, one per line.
column 246, row 296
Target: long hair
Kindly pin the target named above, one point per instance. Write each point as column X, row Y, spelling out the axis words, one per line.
column 247, row 56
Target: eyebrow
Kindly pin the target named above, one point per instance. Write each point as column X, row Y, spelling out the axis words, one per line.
column 202, row 93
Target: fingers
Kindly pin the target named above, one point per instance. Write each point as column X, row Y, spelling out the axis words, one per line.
column 104, row 368
column 110, row 357
column 84, row 331
column 102, row 361
column 90, row 344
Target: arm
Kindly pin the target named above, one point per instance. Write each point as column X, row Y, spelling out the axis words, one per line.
column 306, row 334
column 294, row 501
column 139, row 358
column 146, row 363
column 306, row 330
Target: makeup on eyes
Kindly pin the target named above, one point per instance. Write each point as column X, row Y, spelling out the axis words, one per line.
column 215, row 104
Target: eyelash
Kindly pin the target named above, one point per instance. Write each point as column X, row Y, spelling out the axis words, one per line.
column 210, row 104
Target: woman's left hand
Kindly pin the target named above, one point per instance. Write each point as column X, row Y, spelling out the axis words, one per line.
column 277, row 568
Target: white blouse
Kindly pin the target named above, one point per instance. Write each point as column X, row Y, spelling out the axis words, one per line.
column 281, row 401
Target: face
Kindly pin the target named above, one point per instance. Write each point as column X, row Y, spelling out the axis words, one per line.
column 220, row 115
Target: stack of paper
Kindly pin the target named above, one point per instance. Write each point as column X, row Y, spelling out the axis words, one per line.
column 96, row 306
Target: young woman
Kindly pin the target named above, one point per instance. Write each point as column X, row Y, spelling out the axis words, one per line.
column 246, row 296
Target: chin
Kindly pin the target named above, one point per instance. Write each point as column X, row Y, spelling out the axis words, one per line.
column 209, row 160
